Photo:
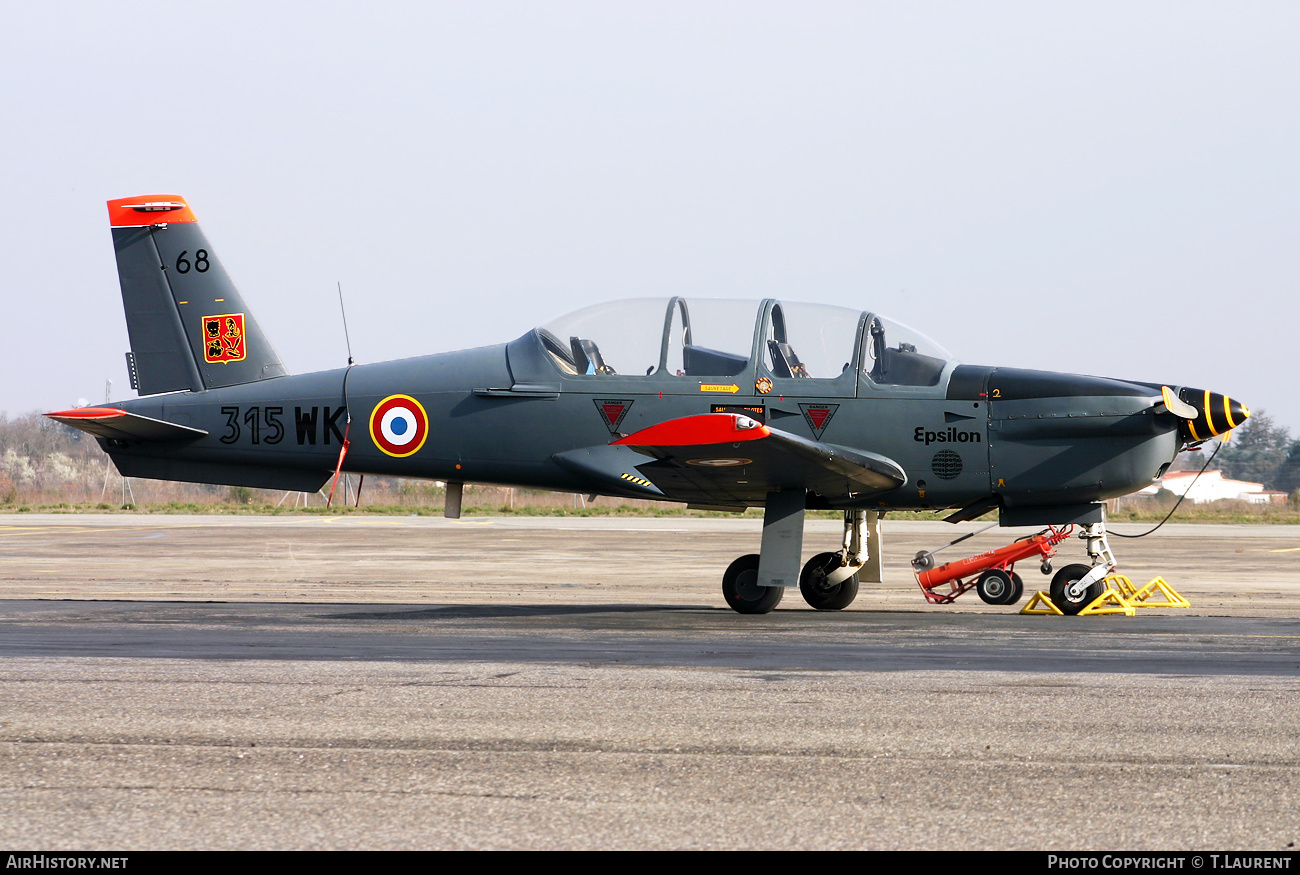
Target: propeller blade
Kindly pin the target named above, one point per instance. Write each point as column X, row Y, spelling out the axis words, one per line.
column 1176, row 405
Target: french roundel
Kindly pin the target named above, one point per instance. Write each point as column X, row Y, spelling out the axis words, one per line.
column 399, row 425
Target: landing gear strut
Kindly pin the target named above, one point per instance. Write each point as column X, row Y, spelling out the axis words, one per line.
column 817, row 589
column 829, row 582
column 754, row 583
column 1075, row 586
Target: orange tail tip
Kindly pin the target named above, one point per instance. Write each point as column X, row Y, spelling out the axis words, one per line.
column 113, row 423
column 87, row 413
column 148, row 209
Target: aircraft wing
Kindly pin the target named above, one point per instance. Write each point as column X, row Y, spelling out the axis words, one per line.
column 728, row 458
column 110, row 422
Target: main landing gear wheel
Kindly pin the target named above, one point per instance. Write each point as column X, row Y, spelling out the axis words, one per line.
column 820, row 595
column 997, row 587
column 741, row 590
column 1060, row 590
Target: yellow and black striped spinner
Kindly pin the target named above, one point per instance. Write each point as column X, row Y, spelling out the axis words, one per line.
column 1215, row 414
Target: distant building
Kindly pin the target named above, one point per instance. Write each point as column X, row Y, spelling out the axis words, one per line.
column 1213, row 486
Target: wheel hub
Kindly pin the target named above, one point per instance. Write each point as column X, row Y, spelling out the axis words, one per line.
column 747, row 585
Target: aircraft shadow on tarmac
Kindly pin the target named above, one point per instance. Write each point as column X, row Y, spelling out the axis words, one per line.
column 489, row 612
column 669, row 635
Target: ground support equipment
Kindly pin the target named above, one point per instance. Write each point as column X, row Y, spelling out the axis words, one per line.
column 1109, row 602
column 991, row 574
column 1119, row 596
column 1041, row 603
column 1147, row 597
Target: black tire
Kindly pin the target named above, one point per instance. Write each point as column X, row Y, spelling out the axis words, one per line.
column 1061, row 597
column 1019, row 589
column 995, row 587
column 741, row 590
column 812, row 583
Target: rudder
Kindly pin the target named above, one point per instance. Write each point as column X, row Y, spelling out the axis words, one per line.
column 188, row 324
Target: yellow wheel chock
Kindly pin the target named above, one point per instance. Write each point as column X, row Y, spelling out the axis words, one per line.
column 1146, row 596
column 1109, row 602
column 1119, row 597
column 1041, row 603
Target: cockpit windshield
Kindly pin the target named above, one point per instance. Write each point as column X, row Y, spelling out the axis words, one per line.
column 702, row 337
column 621, row 337
column 811, row 341
column 709, row 337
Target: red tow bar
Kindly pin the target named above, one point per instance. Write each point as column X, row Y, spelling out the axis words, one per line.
column 962, row 575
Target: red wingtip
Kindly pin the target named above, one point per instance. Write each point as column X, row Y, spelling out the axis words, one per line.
column 87, row 413
column 701, row 430
column 148, row 209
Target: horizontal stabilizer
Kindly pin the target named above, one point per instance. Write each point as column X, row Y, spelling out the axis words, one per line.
column 110, row 422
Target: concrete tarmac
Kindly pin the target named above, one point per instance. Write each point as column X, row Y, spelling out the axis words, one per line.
column 380, row 682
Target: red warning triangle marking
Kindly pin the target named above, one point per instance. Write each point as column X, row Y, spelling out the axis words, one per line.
column 818, row 416
column 613, row 411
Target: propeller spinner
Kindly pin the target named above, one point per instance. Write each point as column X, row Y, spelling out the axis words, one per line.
column 1215, row 414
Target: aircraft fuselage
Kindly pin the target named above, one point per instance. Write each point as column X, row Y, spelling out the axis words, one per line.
column 720, row 403
column 1027, row 438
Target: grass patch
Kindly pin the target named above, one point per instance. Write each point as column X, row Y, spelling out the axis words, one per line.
column 1226, row 512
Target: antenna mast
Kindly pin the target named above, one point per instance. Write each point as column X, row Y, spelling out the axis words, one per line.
column 346, row 338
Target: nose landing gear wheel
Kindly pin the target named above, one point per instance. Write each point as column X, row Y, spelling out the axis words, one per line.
column 1060, row 590
column 741, row 590
column 817, row 593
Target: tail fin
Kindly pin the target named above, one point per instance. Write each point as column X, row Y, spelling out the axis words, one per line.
column 188, row 324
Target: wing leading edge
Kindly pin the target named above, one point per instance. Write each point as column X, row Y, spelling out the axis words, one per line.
column 732, row 459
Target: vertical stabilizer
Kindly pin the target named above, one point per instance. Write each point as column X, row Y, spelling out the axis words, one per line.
column 188, row 324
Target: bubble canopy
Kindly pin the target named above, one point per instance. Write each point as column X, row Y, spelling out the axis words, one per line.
column 712, row 337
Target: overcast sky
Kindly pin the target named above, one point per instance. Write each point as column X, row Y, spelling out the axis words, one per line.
column 1104, row 188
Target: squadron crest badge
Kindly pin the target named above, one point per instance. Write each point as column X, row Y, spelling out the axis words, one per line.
column 223, row 338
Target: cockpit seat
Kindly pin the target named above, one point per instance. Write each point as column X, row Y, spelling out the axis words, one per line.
column 587, row 357
column 907, row 367
column 702, row 361
column 784, row 361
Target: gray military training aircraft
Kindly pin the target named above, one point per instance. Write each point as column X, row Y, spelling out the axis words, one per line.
column 722, row 404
